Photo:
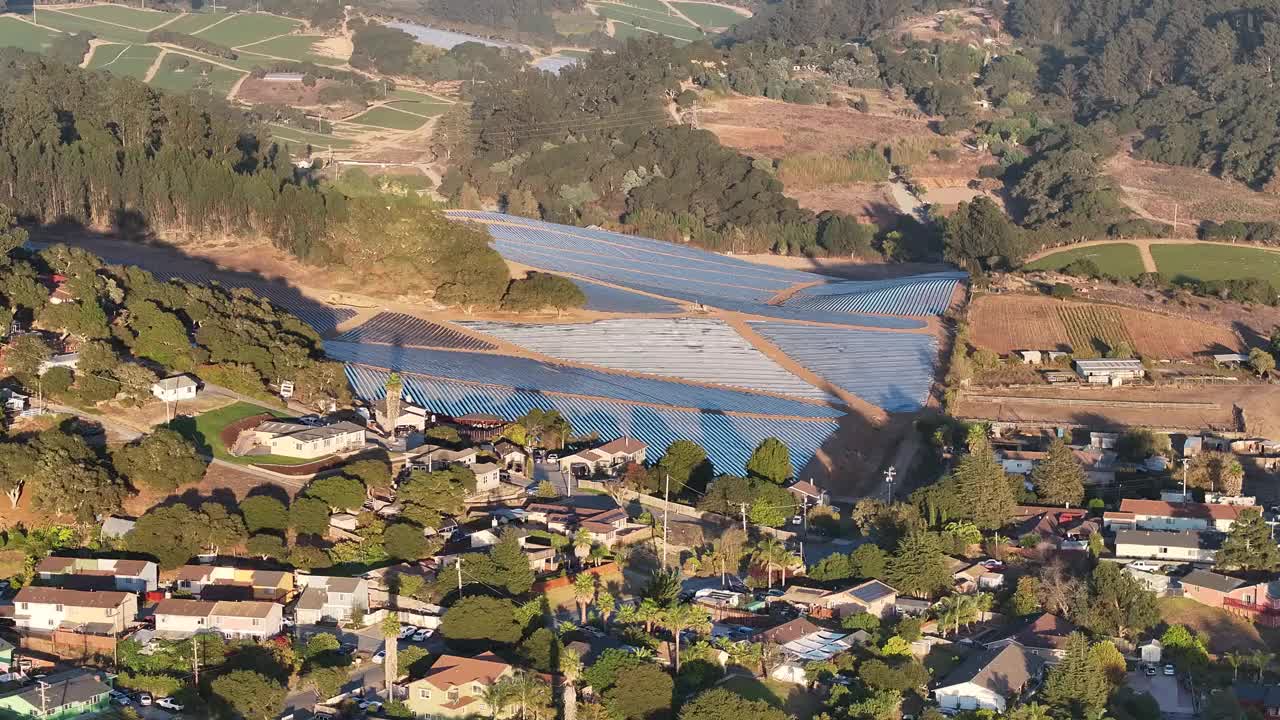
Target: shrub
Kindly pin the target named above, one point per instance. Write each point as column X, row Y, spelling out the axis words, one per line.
column 1061, row 291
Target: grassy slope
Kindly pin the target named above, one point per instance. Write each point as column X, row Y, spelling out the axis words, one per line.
column 1119, row 259
column 708, row 16
column 205, row 428
column 1216, row 262
column 19, row 34
column 385, row 117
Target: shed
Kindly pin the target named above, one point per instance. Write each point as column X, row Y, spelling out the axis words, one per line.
column 1230, row 359
column 1110, row 372
column 1150, row 651
column 1031, row 357
column 114, row 527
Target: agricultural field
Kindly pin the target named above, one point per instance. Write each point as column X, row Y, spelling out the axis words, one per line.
column 1206, row 261
column 316, row 140
column 247, row 29
column 67, row 22
column 1007, row 322
column 418, row 103
column 389, row 118
column 173, row 77
column 20, row 34
column 192, row 23
column 1118, row 259
column 651, row 16
column 294, row 47
column 709, row 16
column 1159, row 191
column 130, row 60
column 144, row 20
column 623, row 31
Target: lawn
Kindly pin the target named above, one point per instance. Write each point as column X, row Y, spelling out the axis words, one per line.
column 659, row 22
column 302, row 137
column 1224, row 631
column 795, row 700
column 120, row 15
column 247, row 28
column 294, row 47
column 67, row 22
column 1216, row 262
column 20, row 34
column 623, row 31
column 385, row 117
column 708, row 16
column 1118, row 259
column 193, row 23
column 131, row 60
column 652, row 6
column 418, row 107
column 204, row 430
column 173, row 78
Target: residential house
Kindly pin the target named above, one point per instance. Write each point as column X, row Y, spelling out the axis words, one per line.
column 1160, row 515
column 247, row 619
column 510, row 455
column 872, row 597
column 1099, row 465
column 1262, row 699
column 607, row 457
column 804, row 599
column 1020, row 462
column 135, row 576
column 1258, row 601
column 175, row 388
column 1104, row 440
column 410, row 416
column 807, row 494
column 217, row 582
column 1110, row 372
column 605, row 522
column 1155, row 582
column 62, row 360
column 801, row 643
column 978, row 577
column 330, row 599
column 295, row 440
column 488, row 477
column 1067, row 529
column 1044, row 635
column 989, row 680
column 911, row 607
column 61, row 696
column 454, row 686
column 1187, row 546
column 437, row 457
column 99, row 612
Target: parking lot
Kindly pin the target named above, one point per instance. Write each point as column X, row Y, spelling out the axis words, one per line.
column 1175, row 700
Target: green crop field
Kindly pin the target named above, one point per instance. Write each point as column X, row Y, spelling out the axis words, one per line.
column 417, row 107
column 1216, row 262
column 294, row 47
column 651, row 6
column 67, row 22
column 143, row 20
column 131, row 60
column 175, row 79
column 575, row 53
column 193, row 23
column 302, row 137
column 385, row 117
column 708, row 16
column 1118, row 259
column 623, row 31
column 663, row 23
column 247, row 28
column 20, row 34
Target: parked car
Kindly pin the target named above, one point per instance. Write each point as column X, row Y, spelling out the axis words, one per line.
column 1149, row 670
column 552, row 457
column 1169, row 669
column 371, row 706
column 144, row 700
column 407, row 631
column 120, row 698
column 379, row 656
column 422, row 634
column 169, row 704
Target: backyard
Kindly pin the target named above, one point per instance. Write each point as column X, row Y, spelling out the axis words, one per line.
column 1223, row 630
column 794, row 699
column 205, row 430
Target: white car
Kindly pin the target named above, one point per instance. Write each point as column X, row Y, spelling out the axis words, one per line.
column 552, row 457
column 144, row 699
column 379, row 656
column 422, row 634
column 407, row 631
column 169, row 704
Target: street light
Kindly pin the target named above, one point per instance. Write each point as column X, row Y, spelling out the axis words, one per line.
column 888, row 478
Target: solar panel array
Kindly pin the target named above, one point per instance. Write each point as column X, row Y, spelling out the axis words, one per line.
column 539, row 376
column 727, row 439
column 891, row 370
column 919, row 295
column 701, row 350
column 603, row 298
column 388, row 328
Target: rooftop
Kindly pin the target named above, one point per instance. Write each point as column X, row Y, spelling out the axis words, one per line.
column 74, row 598
column 454, row 670
column 1213, row 581
column 625, row 445
column 1187, row 539
column 1003, row 671
column 62, row 689
column 1159, row 508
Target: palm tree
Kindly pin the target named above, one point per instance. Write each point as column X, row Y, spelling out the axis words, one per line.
column 621, row 554
column 769, row 550
column 527, row 692
column 581, row 545
column 584, row 589
column 681, row 617
column 648, row 613
column 496, row 697
column 391, row 636
column 1261, row 659
column 598, row 554
column 605, row 603
column 1235, row 660
column 570, row 671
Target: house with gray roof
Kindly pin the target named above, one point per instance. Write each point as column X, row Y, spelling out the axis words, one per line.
column 989, row 680
column 1188, row 546
column 326, row 599
column 61, row 696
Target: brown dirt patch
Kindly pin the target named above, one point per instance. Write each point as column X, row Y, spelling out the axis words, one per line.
column 1152, row 190
column 335, row 47
column 254, row 90
column 1225, row 631
column 848, row 268
column 868, row 202
column 1004, row 323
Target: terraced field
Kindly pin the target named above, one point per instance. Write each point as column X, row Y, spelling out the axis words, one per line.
column 1118, row 259
column 391, row 119
column 134, row 18
column 295, row 47
column 651, row 16
column 707, row 15
column 71, row 23
column 131, row 60
column 174, row 78
column 247, row 29
column 193, row 23
column 303, row 137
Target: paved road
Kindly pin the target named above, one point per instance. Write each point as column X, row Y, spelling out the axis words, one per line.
column 370, row 677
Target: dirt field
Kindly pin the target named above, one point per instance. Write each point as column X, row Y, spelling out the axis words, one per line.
column 772, row 128
column 871, row 202
column 848, row 268
column 967, row 25
column 1225, row 631
column 1008, row 322
column 293, row 94
column 1152, row 190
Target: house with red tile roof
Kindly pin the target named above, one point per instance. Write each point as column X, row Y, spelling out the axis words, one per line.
column 1160, row 515
column 1045, row 635
column 454, row 686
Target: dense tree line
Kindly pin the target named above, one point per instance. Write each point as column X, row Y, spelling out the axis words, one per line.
column 805, row 22
column 379, row 48
column 191, row 42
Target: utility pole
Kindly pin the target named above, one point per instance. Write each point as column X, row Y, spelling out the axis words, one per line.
column 1185, row 462
column 888, row 478
column 44, row 699
column 459, row 566
column 666, row 513
column 744, row 518
column 1175, row 220
column 195, row 658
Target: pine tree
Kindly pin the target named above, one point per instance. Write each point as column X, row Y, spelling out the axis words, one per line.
column 919, row 568
column 1249, row 544
column 1059, row 478
column 981, row 481
column 1074, row 685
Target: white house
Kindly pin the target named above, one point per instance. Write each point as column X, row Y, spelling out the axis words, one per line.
column 64, row 360
column 45, row 609
column 330, row 599
column 1186, row 546
column 488, row 477
column 248, row 619
column 1160, row 515
column 135, row 576
column 988, row 680
column 175, row 388
column 609, row 456
column 435, row 457
column 296, row 440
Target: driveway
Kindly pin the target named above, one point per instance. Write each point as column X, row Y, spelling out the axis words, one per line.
column 1175, row 700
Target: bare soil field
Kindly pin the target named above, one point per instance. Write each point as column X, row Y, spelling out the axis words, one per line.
column 966, row 25
column 1007, row 322
column 1152, row 190
column 772, row 128
column 294, row 94
column 847, row 268
column 1167, row 408
column 869, row 202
